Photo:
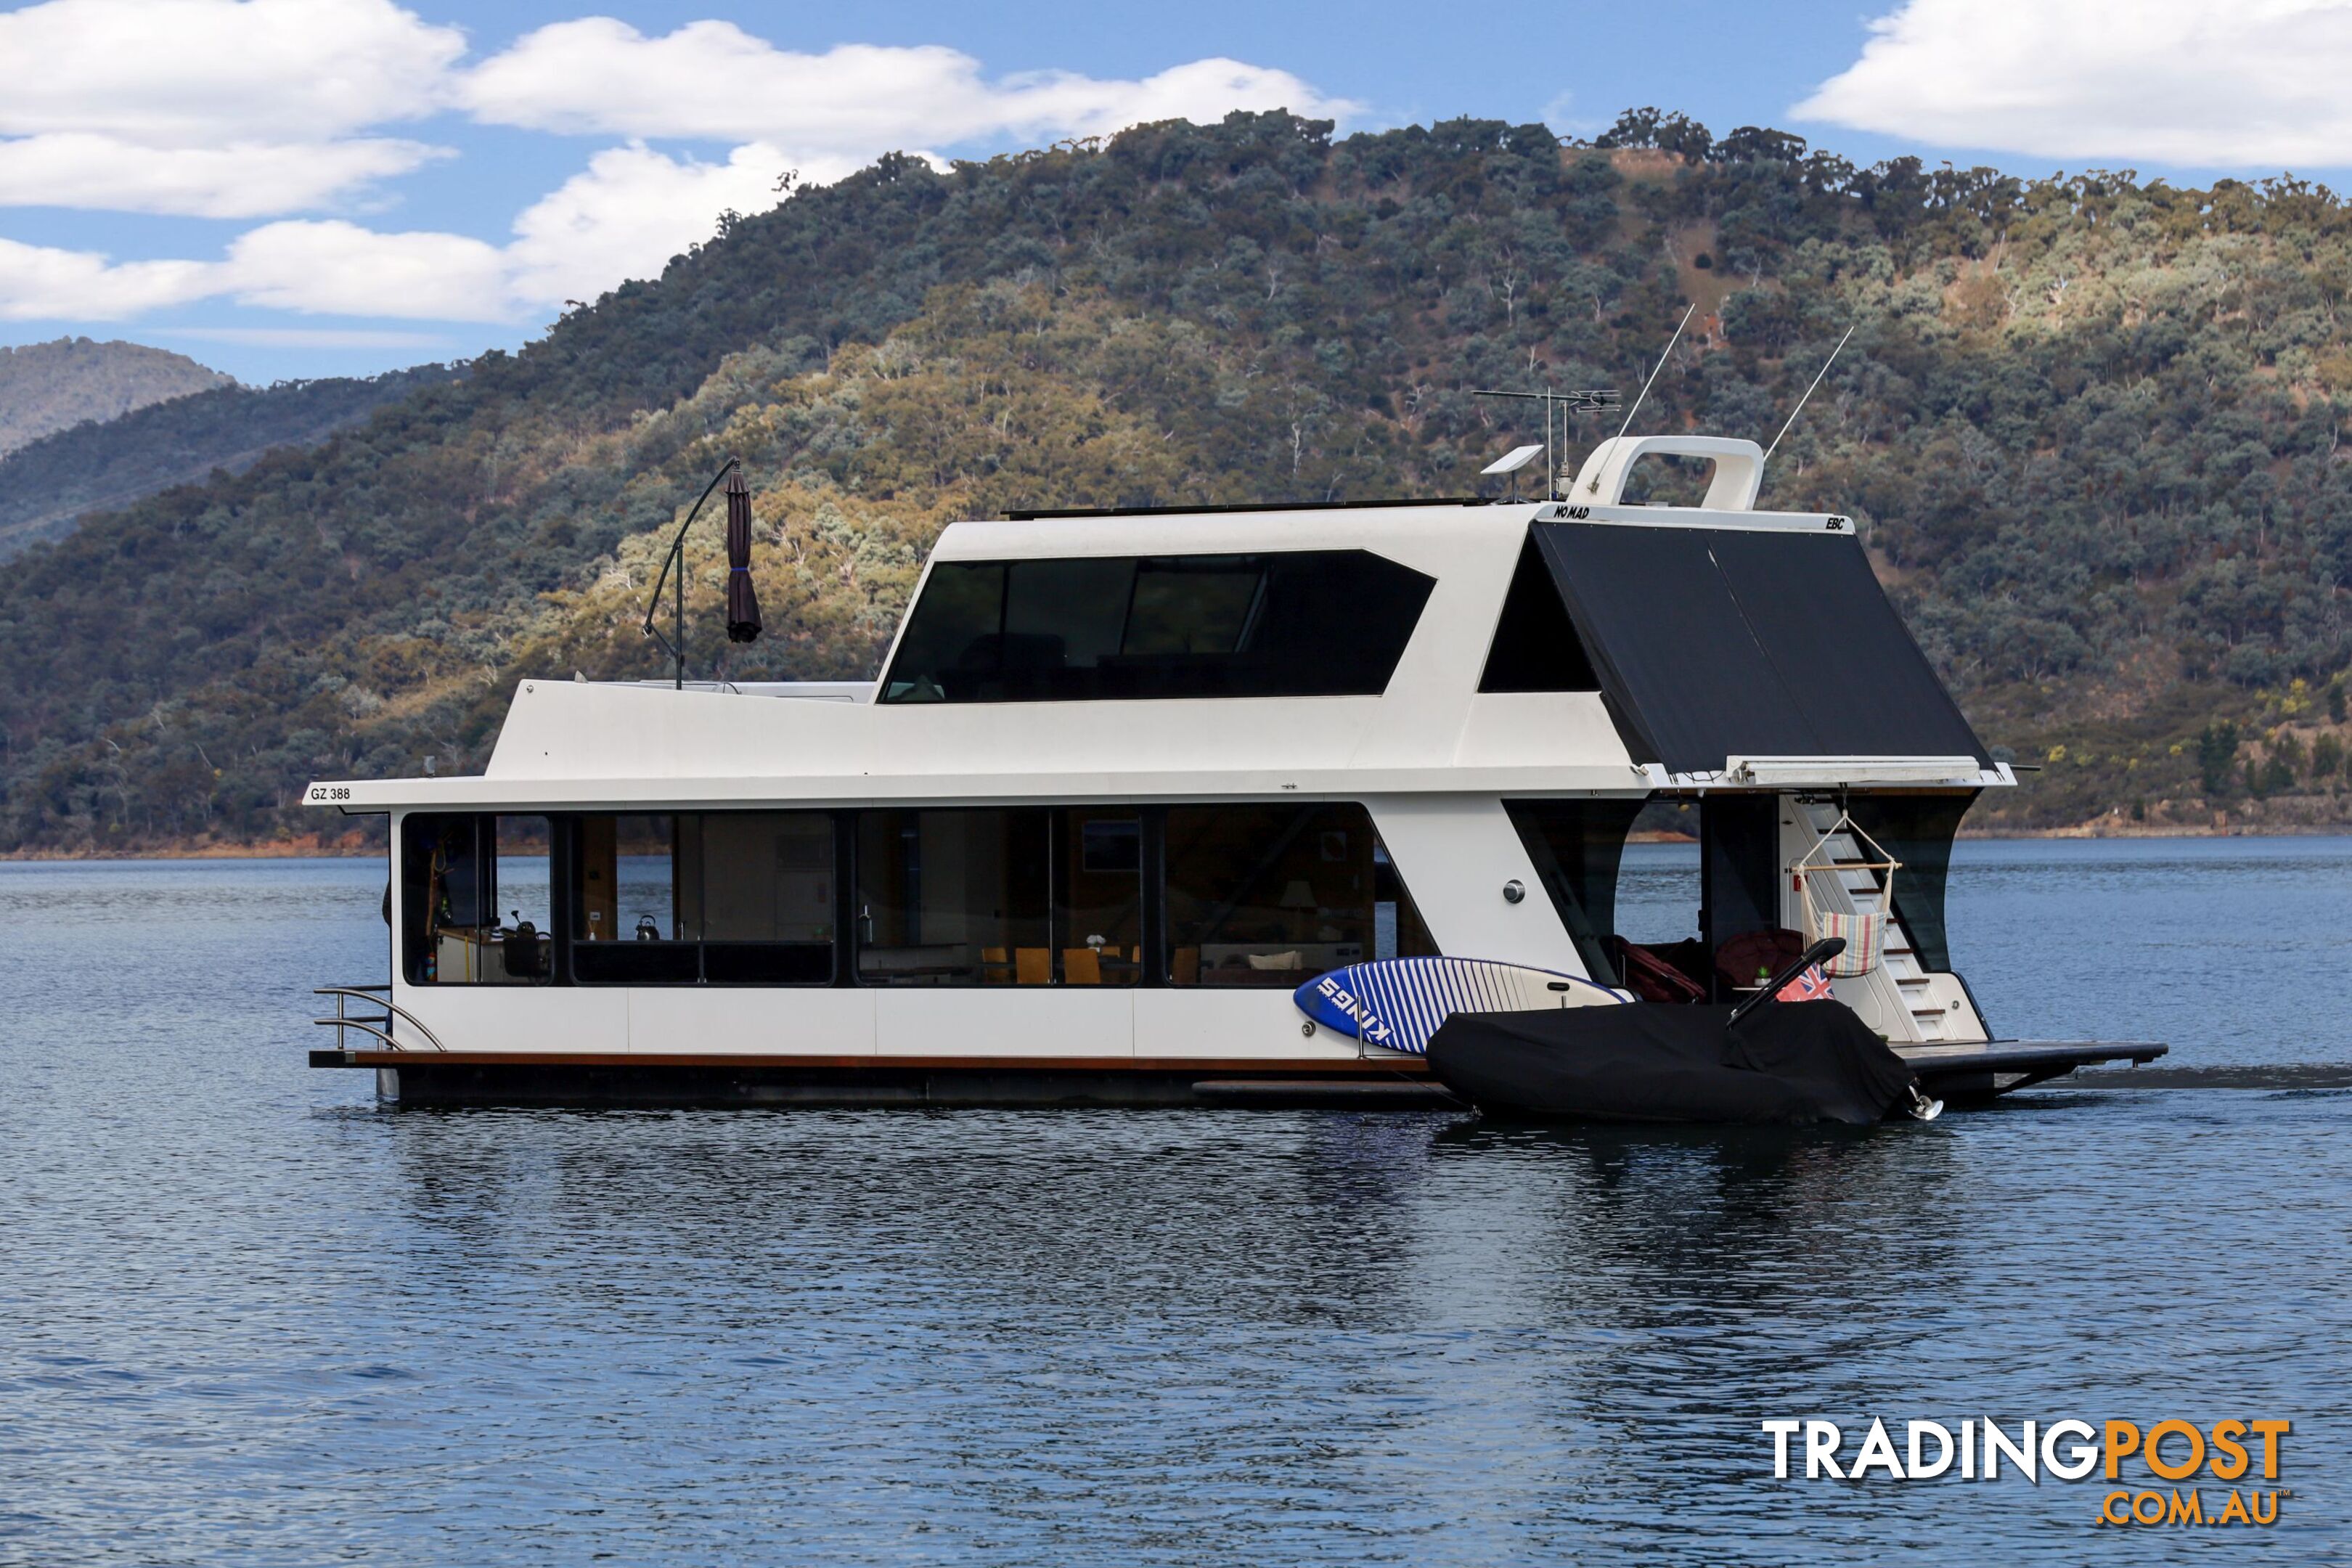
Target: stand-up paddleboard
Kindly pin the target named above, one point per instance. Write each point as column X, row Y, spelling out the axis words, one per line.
column 1398, row 1003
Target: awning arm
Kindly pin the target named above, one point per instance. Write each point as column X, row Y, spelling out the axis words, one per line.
column 1844, row 770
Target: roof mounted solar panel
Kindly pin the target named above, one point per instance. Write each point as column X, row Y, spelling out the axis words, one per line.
column 1719, row 642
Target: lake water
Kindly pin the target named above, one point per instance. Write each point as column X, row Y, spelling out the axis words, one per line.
column 247, row 1317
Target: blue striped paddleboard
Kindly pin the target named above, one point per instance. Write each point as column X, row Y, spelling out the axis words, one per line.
column 1398, row 1003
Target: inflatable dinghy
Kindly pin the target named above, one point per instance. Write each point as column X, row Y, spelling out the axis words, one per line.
column 1766, row 1060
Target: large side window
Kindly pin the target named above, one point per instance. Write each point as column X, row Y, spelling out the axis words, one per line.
column 1026, row 896
column 1316, row 623
column 763, row 887
column 474, row 900
column 955, row 898
column 1245, row 895
column 1098, row 895
column 629, row 928
column 712, row 898
column 1577, row 846
column 1272, row 894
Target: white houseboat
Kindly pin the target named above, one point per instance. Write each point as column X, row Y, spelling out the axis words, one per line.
column 1131, row 780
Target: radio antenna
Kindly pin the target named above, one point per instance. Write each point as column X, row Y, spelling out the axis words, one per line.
column 1660, row 366
column 1809, row 390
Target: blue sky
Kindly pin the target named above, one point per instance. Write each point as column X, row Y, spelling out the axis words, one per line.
column 309, row 187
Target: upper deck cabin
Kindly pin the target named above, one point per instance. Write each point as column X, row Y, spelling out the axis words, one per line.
column 1578, row 645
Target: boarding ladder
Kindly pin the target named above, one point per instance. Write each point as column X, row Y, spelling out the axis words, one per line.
column 1935, row 1006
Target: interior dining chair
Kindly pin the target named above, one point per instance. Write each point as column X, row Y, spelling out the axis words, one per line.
column 995, row 966
column 1081, row 966
column 1032, row 966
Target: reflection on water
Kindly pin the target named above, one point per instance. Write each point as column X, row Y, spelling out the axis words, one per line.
column 1657, row 894
column 250, row 1319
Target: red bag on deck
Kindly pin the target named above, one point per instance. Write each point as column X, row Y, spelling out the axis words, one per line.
column 1653, row 977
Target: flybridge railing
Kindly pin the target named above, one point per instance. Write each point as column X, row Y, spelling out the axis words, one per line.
column 379, row 1025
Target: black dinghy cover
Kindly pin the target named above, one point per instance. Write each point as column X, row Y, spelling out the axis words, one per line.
column 1792, row 1062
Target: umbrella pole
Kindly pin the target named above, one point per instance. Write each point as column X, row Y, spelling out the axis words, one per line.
column 677, row 558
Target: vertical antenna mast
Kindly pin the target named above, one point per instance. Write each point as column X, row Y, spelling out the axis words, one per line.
column 1659, row 367
column 1809, row 390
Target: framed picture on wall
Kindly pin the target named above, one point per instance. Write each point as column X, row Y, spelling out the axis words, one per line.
column 1115, row 846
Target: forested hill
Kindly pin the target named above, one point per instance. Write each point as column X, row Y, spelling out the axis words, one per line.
column 2091, row 426
column 47, row 484
column 57, row 385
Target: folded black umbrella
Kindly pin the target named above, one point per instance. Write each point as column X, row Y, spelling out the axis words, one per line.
column 1809, row 1062
column 742, row 599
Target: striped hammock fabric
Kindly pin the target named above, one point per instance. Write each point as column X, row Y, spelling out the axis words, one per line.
column 1861, row 934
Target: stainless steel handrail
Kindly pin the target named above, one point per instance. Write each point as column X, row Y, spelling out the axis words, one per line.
column 365, row 1026
column 382, row 997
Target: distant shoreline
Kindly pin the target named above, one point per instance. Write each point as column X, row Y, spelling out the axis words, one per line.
column 278, row 851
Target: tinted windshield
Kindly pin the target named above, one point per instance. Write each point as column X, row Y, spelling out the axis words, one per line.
column 1317, row 622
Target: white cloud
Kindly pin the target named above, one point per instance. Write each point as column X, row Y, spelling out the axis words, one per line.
column 1202, row 92
column 82, row 169
column 304, row 337
column 713, row 80
column 211, row 108
column 2199, row 83
column 39, row 281
column 203, row 72
column 631, row 210
column 339, row 268
column 319, row 269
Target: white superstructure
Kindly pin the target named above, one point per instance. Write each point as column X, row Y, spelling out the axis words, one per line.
column 1129, row 779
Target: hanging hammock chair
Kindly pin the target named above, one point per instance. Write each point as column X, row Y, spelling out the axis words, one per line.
column 1863, row 933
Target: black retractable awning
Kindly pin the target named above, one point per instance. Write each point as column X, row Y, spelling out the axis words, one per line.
column 1713, row 642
